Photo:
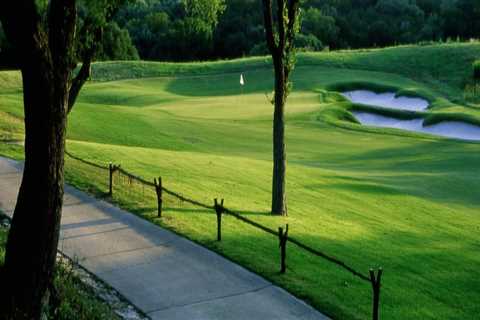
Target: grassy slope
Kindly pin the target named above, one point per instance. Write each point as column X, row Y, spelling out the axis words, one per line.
column 371, row 197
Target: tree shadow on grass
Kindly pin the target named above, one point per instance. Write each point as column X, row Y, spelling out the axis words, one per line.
column 253, row 213
column 434, row 156
column 360, row 187
column 442, row 171
column 439, row 272
column 144, row 210
column 192, row 210
column 91, row 189
column 187, row 210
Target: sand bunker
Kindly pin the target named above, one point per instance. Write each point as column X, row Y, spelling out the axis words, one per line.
column 450, row 129
column 386, row 100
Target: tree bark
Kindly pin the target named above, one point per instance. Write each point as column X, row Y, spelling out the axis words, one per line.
column 33, row 238
column 281, row 46
column 46, row 72
column 279, row 200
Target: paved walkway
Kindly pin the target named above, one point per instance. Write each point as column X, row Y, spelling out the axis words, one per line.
column 164, row 275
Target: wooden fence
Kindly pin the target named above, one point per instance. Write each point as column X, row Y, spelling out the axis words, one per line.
column 374, row 277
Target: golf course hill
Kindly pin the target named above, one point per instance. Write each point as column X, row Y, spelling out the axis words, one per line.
column 383, row 166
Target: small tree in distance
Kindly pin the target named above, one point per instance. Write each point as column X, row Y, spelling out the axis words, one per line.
column 280, row 41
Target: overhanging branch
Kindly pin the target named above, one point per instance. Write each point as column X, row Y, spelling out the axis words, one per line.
column 267, row 16
column 85, row 70
column 77, row 84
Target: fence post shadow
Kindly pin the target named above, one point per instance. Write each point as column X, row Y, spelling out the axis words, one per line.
column 283, row 238
column 219, row 209
column 158, row 190
column 376, row 285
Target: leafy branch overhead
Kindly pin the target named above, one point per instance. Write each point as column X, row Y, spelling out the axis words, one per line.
column 96, row 16
column 72, row 31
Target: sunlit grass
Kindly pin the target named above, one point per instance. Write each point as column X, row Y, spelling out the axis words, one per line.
column 372, row 197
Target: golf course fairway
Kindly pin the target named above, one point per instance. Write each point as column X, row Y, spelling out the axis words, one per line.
column 372, row 197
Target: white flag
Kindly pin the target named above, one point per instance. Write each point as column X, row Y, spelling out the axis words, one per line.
column 242, row 82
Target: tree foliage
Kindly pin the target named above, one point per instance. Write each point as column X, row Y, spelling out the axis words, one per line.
column 116, row 44
column 206, row 12
column 172, row 30
column 335, row 24
column 210, row 29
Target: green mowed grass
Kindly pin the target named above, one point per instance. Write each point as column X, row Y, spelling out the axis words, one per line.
column 371, row 197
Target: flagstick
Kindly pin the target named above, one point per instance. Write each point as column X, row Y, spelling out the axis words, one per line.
column 242, row 83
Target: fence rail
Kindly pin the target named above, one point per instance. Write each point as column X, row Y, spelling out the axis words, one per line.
column 373, row 278
column 85, row 161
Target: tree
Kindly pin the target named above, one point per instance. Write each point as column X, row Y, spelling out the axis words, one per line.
column 172, row 30
column 323, row 27
column 206, row 11
column 201, row 18
column 308, row 43
column 116, row 44
column 44, row 34
column 280, row 41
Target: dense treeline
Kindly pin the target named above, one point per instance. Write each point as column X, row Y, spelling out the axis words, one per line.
column 161, row 29
column 172, row 29
column 339, row 24
column 211, row 29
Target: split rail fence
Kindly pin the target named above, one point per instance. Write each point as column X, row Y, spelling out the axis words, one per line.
column 135, row 186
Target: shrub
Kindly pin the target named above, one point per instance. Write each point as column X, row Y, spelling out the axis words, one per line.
column 260, row 49
column 476, row 69
column 308, row 43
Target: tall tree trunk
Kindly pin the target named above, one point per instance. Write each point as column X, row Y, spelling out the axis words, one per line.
column 279, row 201
column 281, row 46
column 45, row 55
column 33, row 238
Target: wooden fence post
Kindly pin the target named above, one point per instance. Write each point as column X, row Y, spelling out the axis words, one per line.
column 158, row 189
column 283, row 237
column 219, row 210
column 376, row 285
column 110, row 188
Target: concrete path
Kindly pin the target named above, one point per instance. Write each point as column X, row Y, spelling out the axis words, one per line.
column 164, row 275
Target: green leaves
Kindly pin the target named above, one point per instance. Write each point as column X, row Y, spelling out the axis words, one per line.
column 100, row 12
column 202, row 16
column 206, row 11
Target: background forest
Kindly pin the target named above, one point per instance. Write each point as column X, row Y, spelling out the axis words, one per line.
column 180, row 30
